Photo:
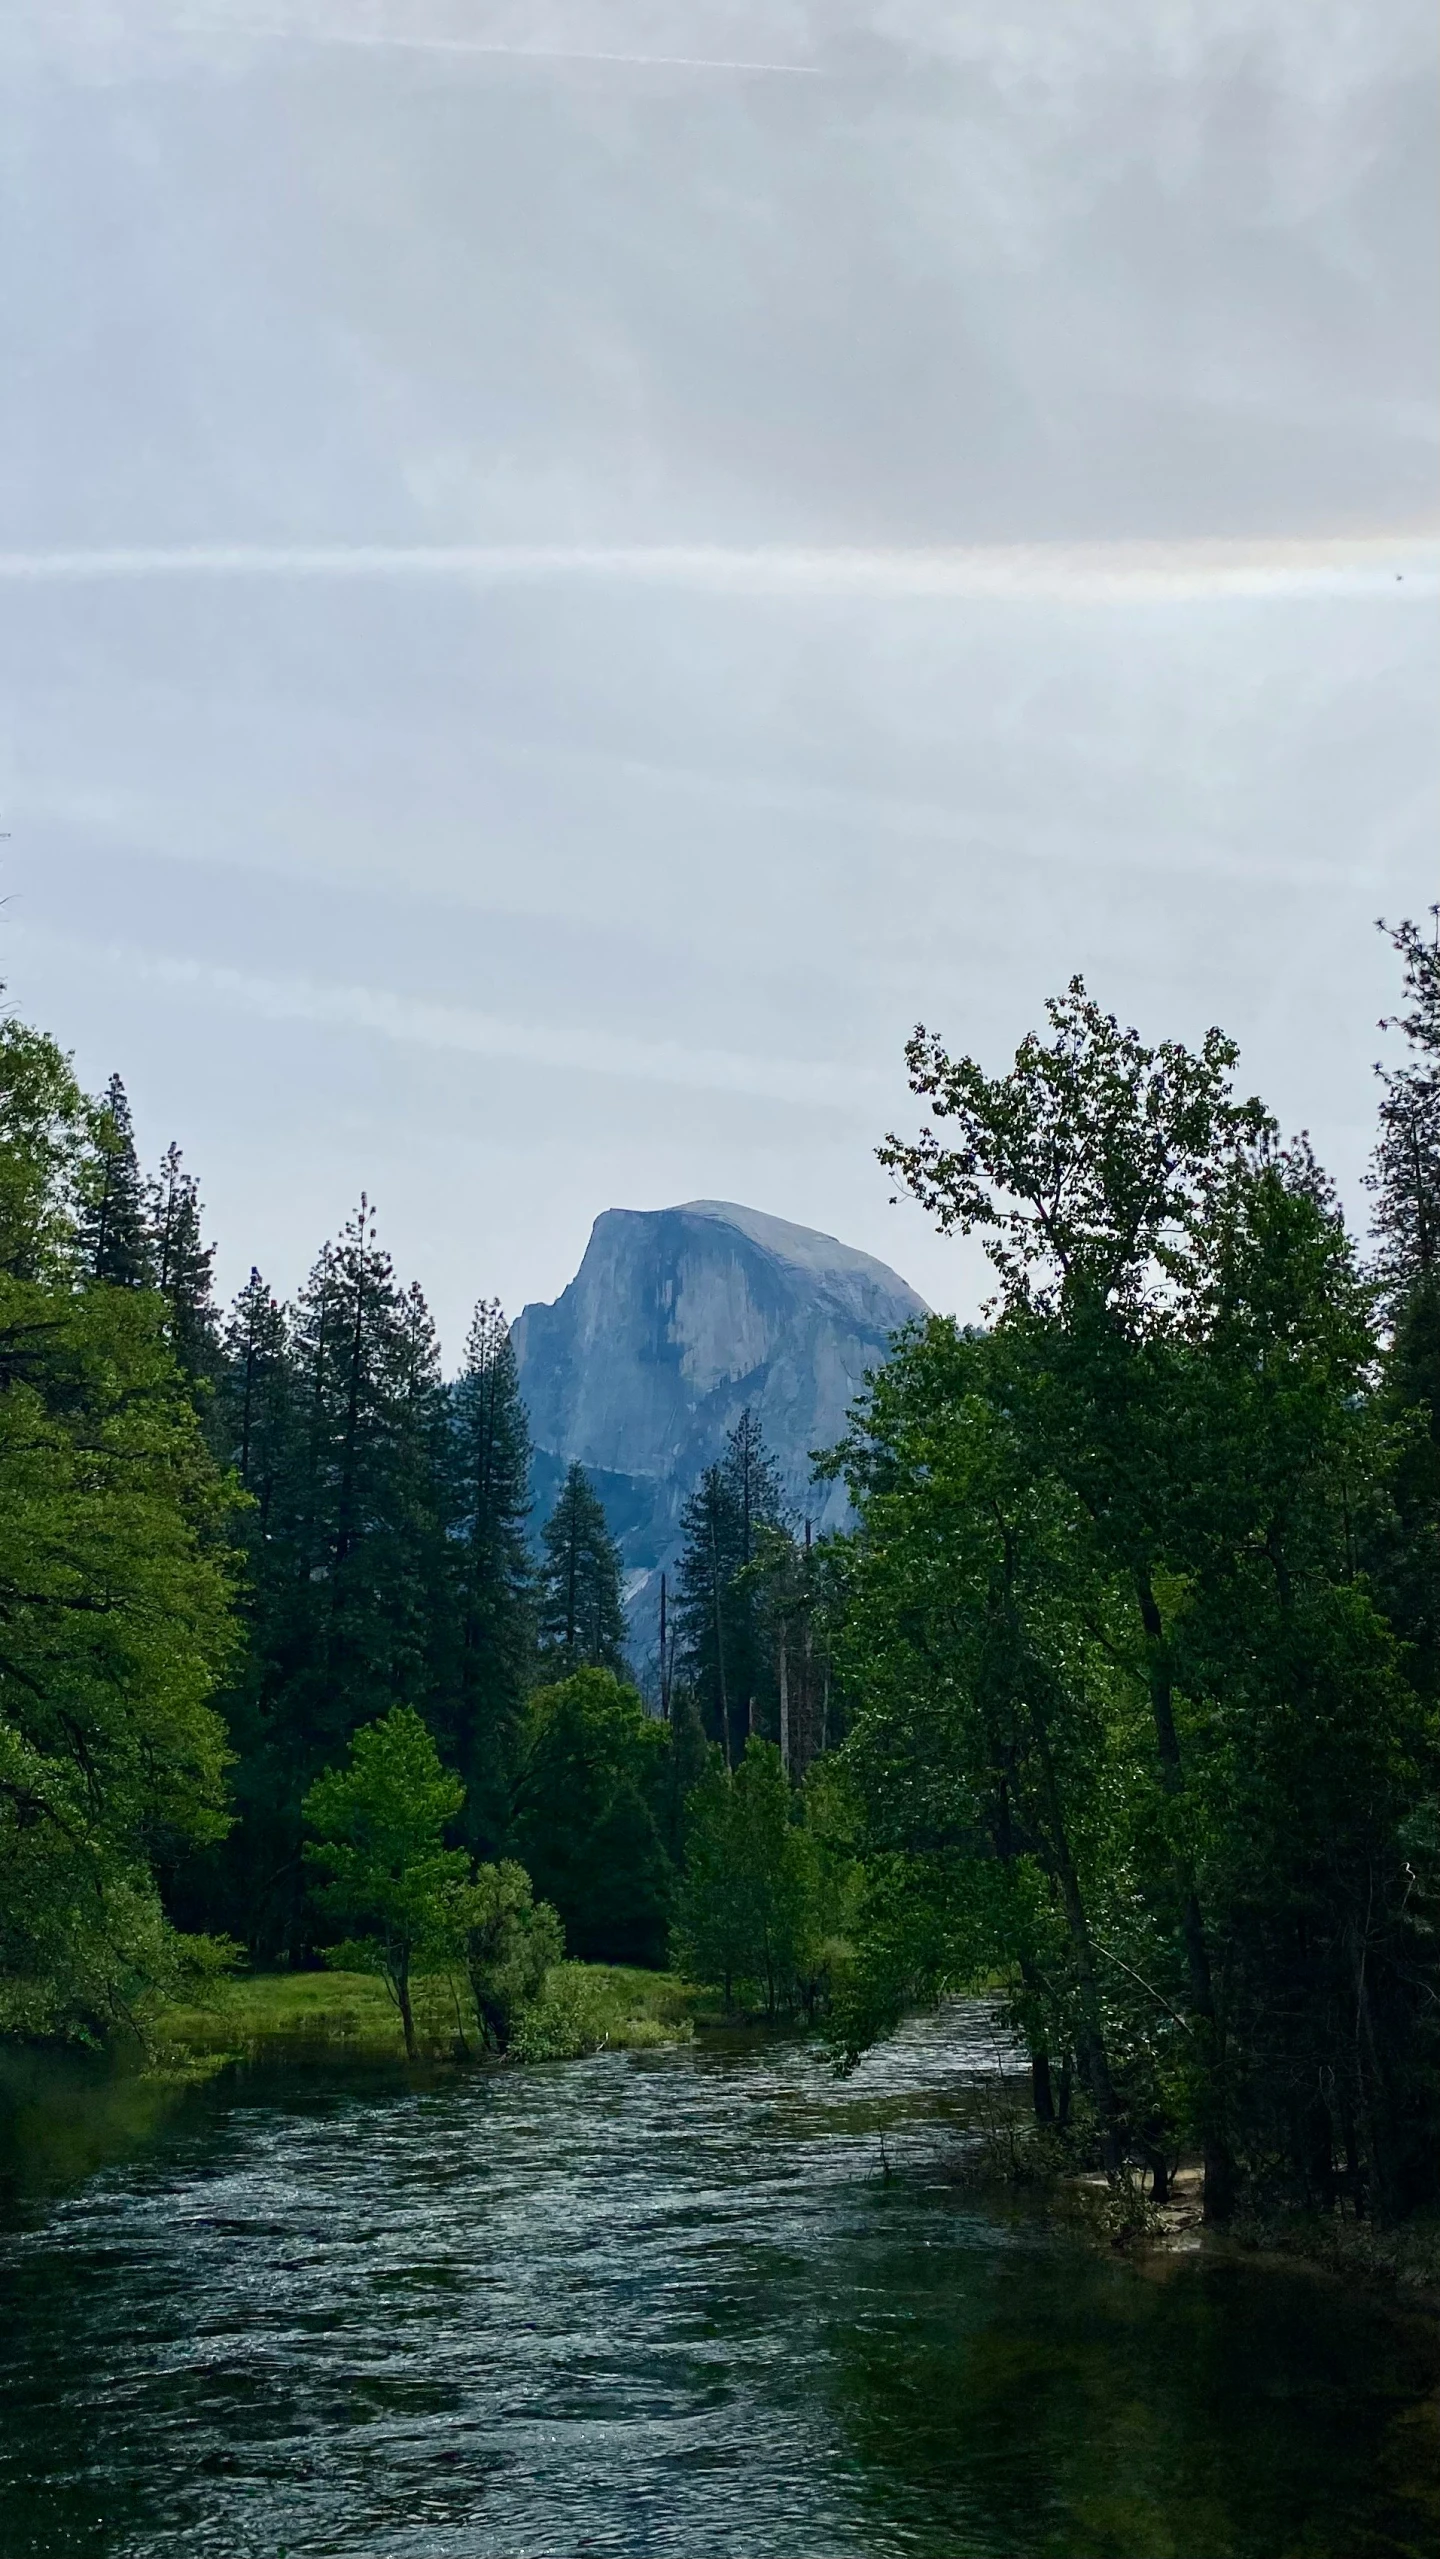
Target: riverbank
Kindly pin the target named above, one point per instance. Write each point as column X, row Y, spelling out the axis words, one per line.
column 675, row 2301
column 1006, row 2157
column 339, row 2016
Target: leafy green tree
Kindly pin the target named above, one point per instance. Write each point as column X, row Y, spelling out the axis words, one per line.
column 490, row 1459
column 113, row 1229
column 115, row 1616
column 1181, row 1373
column 747, row 1915
column 511, row 1944
column 380, row 1831
column 591, row 1796
column 990, row 1746
column 581, row 1614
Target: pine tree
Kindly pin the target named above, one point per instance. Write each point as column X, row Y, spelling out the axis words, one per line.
column 727, row 1524
column 113, row 1232
column 490, row 1466
column 1405, row 1176
column 581, row 1616
column 1405, row 1182
column 252, row 1405
column 709, row 1561
column 182, row 1262
column 337, row 1422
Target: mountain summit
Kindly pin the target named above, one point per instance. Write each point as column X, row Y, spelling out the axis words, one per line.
column 677, row 1319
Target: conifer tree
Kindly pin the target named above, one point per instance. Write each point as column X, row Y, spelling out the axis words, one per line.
column 337, row 1423
column 709, row 1561
column 490, row 1463
column 581, row 1615
column 252, row 1406
column 182, row 1263
column 1405, row 1176
column 727, row 1523
column 113, row 1233
column 1405, row 1182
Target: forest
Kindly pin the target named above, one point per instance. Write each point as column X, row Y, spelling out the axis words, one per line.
column 1119, row 1699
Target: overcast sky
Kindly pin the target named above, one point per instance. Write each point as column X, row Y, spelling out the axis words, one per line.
column 571, row 571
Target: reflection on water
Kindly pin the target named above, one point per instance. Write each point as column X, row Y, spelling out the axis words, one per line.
column 658, row 2303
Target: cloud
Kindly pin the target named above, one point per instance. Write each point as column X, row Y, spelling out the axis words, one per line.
column 377, row 40
column 460, row 1030
column 1050, row 573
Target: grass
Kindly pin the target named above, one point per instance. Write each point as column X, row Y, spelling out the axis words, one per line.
column 350, row 2016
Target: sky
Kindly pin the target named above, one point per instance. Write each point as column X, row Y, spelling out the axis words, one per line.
column 570, row 571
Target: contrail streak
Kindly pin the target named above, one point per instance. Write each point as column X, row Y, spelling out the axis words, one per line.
column 506, row 52
column 1400, row 565
column 461, row 1030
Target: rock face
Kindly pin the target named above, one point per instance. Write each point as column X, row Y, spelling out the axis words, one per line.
column 677, row 1319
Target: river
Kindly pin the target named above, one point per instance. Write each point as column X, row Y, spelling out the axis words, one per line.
column 705, row 2301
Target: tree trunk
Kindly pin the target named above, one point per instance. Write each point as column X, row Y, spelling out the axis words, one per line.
column 407, row 2013
column 1094, row 2059
column 1219, row 2162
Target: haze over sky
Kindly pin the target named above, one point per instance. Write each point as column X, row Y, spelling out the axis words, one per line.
column 570, row 571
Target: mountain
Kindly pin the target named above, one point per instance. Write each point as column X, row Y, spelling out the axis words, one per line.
column 677, row 1319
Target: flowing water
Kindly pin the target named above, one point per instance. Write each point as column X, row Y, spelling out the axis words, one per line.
column 702, row 2302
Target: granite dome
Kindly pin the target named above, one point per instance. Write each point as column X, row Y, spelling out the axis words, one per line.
column 677, row 1319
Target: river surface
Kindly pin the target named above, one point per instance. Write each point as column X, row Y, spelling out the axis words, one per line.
column 703, row 2302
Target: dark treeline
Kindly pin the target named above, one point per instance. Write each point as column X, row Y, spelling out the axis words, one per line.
column 1141, row 1617
column 236, row 1541
column 1122, row 1693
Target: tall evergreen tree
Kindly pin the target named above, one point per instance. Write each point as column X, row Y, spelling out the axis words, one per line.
column 581, row 1615
column 113, row 1232
column 1405, row 1183
column 1405, row 1176
column 182, row 1263
column 490, row 1462
column 709, row 1561
column 253, row 1401
column 338, row 1426
column 728, row 1523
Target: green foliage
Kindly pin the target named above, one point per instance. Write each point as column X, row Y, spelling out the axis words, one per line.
column 115, row 1617
column 731, row 1520
column 113, row 1227
column 335, row 1419
column 1127, row 1696
column 379, row 1828
column 182, row 1262
column 491, row 1632
column 748, row 1916
column 511, row 1943
column 589, row 2008
column 581, row 1615
column 1405, row 1176
column 591, row 1801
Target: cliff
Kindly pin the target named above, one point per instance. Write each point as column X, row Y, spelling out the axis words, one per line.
column 676, row 1320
